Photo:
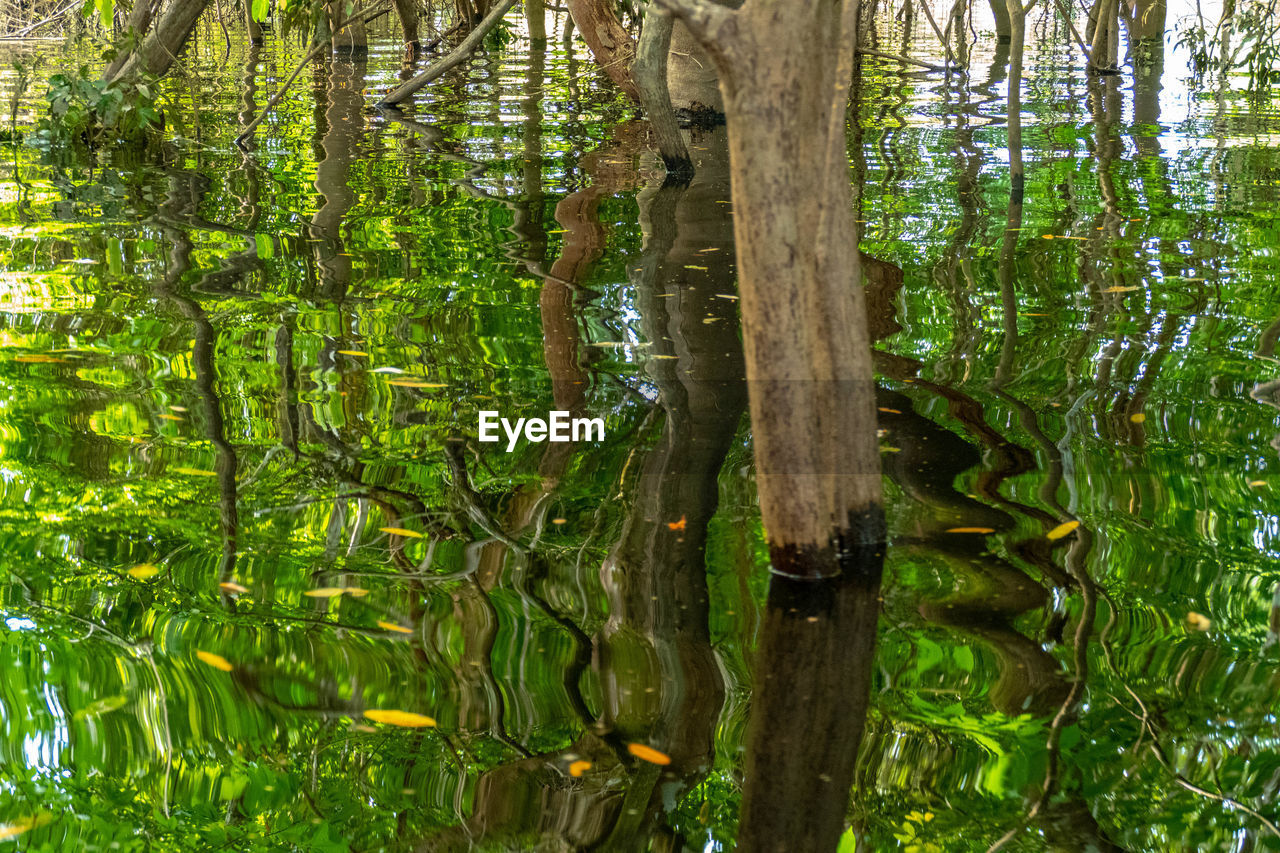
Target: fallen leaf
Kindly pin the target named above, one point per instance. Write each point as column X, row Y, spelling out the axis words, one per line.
column 167, row 417
column 678, row 525
column 649, row 754
column 971, row 530
column 1138, row 418
column 195, row 472
column 233, row 588
column 577, row 768
column 36, row 358
column 142, row 571
column 1061, row 530
column 559, row 520
column 391, row 626
column 335, row 591
column 354, row 352
column 400, row 531
column 386, row 370
column 888, row 410
column 409, row 383
column 693, row 267
column 178, row 408
column 1120, row 289
column 400, row 718
column 1255, row 484
column 1197, row 622
column 215, row 661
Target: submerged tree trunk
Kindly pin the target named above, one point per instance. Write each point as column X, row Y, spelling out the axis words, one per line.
column 785, row 70
column 407, row 12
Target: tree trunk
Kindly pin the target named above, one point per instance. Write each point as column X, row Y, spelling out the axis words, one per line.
column 1146, row 31
column 610, row 43
column 407, row 12
column 691, row 79
column 1000, row 11
column 157, row 52
column 251, row 25
column 785, row 70
column 650, row 76
column 352, row 38
column 535, row 12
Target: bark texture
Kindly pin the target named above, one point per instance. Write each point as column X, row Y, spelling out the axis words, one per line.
column 609, row 41
column 161, row 46
column 785, row 69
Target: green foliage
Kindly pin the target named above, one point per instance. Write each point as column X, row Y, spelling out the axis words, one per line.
column 83, row 108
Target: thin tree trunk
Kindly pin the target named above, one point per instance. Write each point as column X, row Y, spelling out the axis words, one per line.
column 650, row 76
column 535, row 12
column 251, row 24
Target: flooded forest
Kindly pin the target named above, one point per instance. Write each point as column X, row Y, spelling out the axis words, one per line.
column 639, row 425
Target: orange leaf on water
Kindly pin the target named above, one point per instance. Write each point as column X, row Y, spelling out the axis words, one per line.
column 391, row 626
column 649, row 754
column 678, row 525
column 577, row 768
column 1138, row 418
column 233, row 588
column 1061, row 530
column 971, row 530
column 400, row 718
column 215, row 661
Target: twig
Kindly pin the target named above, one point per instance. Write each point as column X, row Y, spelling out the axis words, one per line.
column 866, row 51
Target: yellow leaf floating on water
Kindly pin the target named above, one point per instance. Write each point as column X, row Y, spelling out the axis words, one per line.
column 649, row 754
column 971, row 530
column 168, row 417
column 1138, row 418
column 215, row 661
column 577, row 768
column 195, row 472
column 354, row 352
column 409, row 383
column 1255, row 484
column 1198, row 622
column 37, row 358
column 335, row 591
column 233, row 588
column 142, row 571
column 1119, row 289
column 400, row 718
column 1061, row 530
column 391, row 626
column 400, row 531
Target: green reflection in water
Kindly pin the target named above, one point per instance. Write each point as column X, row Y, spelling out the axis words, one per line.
column 244, row 368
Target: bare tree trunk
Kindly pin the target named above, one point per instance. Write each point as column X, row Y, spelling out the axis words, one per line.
column 785, row 70
column 157, row 52
column 1000, row 11
column 535, row 12
column 407, row 12
column 610, row 43
column 1146, row 30
column 650, row 76
column 251, row 24
column 350, row 38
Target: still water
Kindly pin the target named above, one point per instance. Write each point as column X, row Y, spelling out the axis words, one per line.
column 263, row 589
